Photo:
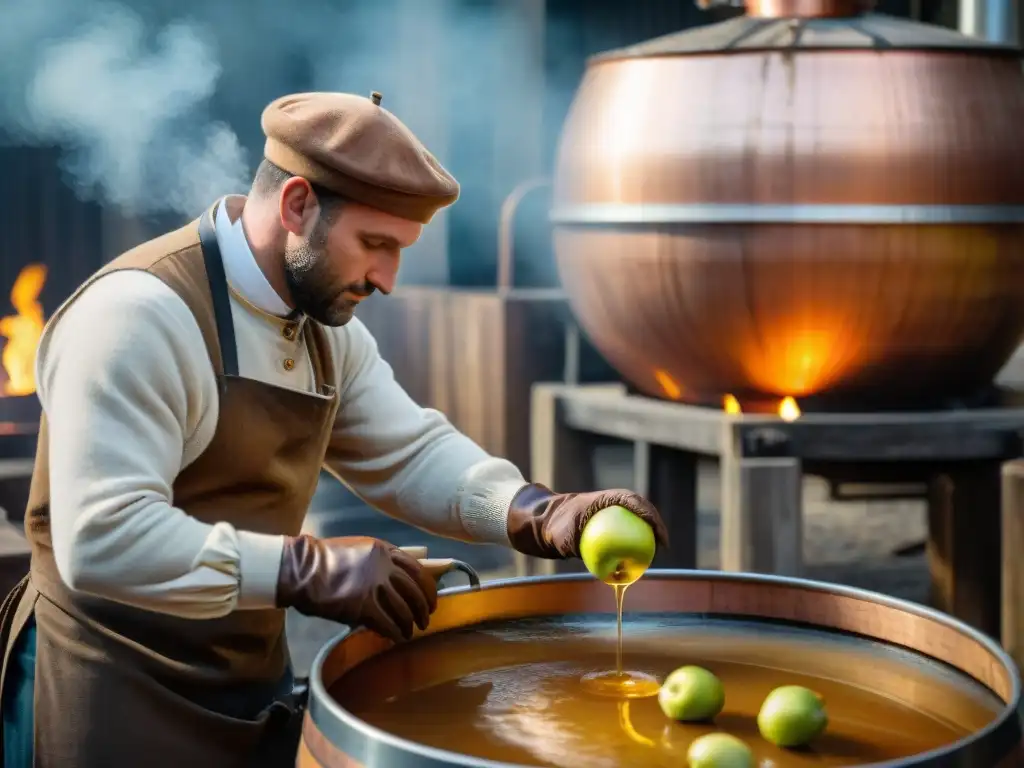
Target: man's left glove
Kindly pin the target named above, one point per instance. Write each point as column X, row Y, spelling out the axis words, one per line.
column 545, row 524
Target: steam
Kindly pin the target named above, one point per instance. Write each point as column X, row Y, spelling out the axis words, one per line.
column 155, row 104
column 124, row 108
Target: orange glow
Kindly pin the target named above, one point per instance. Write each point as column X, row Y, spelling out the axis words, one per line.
column 23, row 331
column 801, row 361
column 788, row 409
column 731, row 405
column 668, row 384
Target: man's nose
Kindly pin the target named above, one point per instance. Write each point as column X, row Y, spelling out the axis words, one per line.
column 383, row 278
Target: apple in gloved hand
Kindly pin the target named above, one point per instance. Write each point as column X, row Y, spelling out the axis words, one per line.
column 617, row 546
column 551, row 525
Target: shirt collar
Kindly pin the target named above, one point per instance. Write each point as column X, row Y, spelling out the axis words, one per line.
column 243, row 273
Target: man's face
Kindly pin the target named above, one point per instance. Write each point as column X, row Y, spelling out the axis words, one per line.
column 342, row 257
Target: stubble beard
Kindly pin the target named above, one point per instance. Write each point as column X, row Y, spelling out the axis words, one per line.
column 314, row 288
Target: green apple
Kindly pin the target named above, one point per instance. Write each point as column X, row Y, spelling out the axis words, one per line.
column 617, row 546
column 719, row 750
column 691, row 694
column 792, row 716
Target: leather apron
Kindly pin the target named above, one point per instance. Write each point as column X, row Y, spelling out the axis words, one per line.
column 122, row 686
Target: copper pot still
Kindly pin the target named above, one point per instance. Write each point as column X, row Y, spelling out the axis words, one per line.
column 810, row 201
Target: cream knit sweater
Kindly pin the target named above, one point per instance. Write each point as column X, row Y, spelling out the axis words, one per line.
column 127, row 386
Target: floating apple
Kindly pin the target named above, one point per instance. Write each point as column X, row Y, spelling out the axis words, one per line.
column 719, row 750
column 792, row 716
column 691, row 694
column 617, row 546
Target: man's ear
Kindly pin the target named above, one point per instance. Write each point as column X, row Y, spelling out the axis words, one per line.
column 298, row 205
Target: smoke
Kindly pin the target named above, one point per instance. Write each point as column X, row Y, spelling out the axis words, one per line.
column 121, row 104
column 156, row 103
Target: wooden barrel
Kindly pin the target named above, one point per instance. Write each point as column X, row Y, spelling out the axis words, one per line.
column 825, row 208
column 902, row 651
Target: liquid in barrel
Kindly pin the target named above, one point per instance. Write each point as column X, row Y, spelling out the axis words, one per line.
column 510, row 692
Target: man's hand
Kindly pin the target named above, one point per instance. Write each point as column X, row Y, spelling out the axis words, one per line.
column 357, row 581
column 549, row 525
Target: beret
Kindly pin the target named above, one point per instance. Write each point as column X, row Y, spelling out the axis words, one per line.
column 352, row 146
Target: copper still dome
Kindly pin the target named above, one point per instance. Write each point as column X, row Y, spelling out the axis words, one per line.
column 808, row 201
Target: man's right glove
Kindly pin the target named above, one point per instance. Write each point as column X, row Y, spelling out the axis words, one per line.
column 358, row 581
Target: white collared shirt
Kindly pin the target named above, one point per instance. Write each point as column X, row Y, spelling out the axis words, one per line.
column 241, row 269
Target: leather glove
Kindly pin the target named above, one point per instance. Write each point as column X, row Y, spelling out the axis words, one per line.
column 358, row 581
column 545, row 524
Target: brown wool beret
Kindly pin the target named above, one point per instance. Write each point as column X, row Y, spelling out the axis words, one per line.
column 352, row 146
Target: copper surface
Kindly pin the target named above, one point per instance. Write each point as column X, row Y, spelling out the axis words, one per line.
column 434, row 664
column 884, row 313
column 807, row 8
column 316, row 752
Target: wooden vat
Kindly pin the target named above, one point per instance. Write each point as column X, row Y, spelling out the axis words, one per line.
column 474, row 354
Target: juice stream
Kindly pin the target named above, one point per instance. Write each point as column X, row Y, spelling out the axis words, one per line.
column 620, row 594
column 621, row 684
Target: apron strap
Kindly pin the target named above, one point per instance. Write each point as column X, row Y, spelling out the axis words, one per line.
column 8, row 636
column 221, row 297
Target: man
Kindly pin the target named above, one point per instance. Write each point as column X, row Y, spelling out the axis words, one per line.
column 192, row 391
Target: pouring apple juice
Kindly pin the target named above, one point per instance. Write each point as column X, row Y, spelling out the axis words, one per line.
column 618, row 547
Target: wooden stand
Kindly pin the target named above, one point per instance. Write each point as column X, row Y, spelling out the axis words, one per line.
column 1013, row 560
column 15, row 478
column 951, row 458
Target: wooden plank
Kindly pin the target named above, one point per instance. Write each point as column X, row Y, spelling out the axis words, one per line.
column 561, row 459
column 869, row 440
column 16, row 468
column 762, row 526
column 761, row 510
column 606, row 410
column 966, row 434
column 1013, row 560
column 668, row 478
column 964, row 532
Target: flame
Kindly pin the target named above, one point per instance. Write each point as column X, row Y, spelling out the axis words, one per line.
column 668, row 384
column 23, row 330
column 788, row 409
column 731, row 405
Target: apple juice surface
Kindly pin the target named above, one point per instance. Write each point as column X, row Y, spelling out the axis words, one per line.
column 511, row 692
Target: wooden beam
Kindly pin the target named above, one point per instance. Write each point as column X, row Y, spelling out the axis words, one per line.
column 561, row 458
column 762, row 521
column 964, row 531
column 954, row 435
column 668, row 478
column 1013, row 560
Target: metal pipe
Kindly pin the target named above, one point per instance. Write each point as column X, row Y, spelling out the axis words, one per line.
column 992, row 20
column 506, row 235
